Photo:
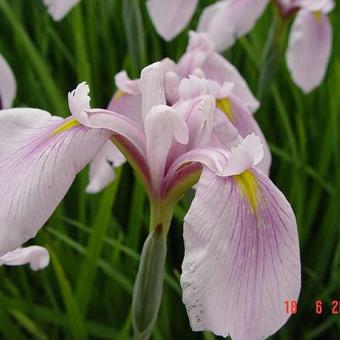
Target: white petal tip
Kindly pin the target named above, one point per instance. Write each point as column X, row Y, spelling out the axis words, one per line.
column 37, row 257
column 79, row 102
column 246, row 155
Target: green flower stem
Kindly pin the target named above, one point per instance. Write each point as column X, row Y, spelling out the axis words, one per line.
column 148, row 287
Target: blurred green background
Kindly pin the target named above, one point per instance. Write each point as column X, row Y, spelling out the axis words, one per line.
column 95, row 240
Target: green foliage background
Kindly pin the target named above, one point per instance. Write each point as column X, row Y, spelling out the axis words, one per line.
column 95, row 240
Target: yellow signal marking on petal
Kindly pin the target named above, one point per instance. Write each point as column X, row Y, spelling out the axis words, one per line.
column 226, row 106
column 318, row 16
column 65, row 126
column 249, row 188
column 118, row 95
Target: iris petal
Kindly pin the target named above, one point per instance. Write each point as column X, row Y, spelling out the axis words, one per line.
column 240, row 263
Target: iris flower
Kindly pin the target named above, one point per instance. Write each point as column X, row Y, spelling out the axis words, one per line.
column 200, row 69
column 241, row 245
column 310, row 39
column 224, row 21
column 7, row 84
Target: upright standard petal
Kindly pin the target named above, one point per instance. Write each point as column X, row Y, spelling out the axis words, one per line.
column 7, row 85
column 170, row 17
column 241, row 258
column 57, row 9
column 228, row 20
column 152, row 87
column 309, row 49
column 162, row 125
column 102, row 167
column 40, row 156
column 37, row 257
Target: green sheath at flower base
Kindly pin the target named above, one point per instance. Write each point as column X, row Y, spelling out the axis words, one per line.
column 148, row 287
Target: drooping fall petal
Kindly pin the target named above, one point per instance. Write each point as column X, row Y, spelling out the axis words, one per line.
column 37, row 257
column 57, row 9
column 40, row 156
column 102, row 167
column 170, row 17
column 309, row 49
column 242, row 257
column 7, row 85
column 228, row 20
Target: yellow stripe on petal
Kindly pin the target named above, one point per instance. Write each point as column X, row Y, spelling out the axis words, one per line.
column 318, row 16
column 226, row 106
column 118, row 95
column 65, row 126
column 249, row 188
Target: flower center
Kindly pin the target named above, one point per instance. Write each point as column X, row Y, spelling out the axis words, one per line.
column 249, row 188
column 226, row 106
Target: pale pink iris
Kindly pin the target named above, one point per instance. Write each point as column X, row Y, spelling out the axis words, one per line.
column 241, row 245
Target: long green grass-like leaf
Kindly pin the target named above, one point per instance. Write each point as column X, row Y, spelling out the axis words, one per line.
column 37, row 61
column 137, row 212
column 75, row 320
column 133, row 255
column 133, row 23
column 95, row 244
column 106, row 267
column 28, row 325
column 46, row 315
column 8, row 326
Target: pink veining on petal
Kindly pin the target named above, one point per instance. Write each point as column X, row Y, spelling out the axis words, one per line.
column 239, row 267
column 38, row 161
